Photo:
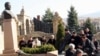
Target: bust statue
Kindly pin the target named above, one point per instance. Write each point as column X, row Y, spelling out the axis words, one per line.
column 7, row 14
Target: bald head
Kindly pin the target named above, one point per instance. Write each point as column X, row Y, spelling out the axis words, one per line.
column 7, row 6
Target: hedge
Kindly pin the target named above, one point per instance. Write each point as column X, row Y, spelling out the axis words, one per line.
column 39, row 50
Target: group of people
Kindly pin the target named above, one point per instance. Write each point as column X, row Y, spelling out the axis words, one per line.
column 84, row 41
column 36, row 41
column 71, row 51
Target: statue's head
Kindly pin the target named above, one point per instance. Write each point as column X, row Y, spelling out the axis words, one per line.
column 7, row 6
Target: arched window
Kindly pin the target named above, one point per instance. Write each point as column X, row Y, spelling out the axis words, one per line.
column 27, row 26
column 20, row 32
column 97, row 28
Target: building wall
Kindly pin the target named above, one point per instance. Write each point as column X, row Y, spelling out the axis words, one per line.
column 39, row 25
column 27, row 18
column 94, row 21
column 22, row 24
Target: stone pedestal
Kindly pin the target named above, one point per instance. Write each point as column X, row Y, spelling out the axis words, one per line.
column 1, row 40
column 10, row 37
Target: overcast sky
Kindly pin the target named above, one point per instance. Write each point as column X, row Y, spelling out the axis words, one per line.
column 38, row 7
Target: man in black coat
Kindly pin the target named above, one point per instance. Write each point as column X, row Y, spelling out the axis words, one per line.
column 52, row 40
column 29, row 43
column 86, row 45
column 22, row 43
column 65, row 41
column 43, row 40
column 75, row 39
column 71, row 50
column 96, row 44
column 88, row 34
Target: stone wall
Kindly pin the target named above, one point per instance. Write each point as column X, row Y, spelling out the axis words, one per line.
column 35, row 34
column 97, row 36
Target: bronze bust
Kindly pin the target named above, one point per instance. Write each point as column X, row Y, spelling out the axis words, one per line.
column 7, row 14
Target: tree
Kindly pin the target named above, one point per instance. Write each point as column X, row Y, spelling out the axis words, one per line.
column 48, row 16
column 60, row 35
column 72, row 19
column 89, row 25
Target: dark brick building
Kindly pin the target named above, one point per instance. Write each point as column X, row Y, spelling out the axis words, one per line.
column 46, row 27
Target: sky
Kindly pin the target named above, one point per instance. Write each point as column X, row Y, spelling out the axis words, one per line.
column 38, row 7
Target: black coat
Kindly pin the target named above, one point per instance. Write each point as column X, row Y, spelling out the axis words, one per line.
column 67, row 38
column 96, row 44
column 51, row 41
column 22, row 43
column 69, row 53
column 29, row 43
column 43, row 41
column 64, row 42
column 87, row 46
column 76, row 41
column 89, row 35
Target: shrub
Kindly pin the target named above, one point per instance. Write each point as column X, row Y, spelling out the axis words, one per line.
column 38, row 50
column 47, row 48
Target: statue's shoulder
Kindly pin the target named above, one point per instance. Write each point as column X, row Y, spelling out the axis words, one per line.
column 7, row 11
column 3, row 11
column 7, row 14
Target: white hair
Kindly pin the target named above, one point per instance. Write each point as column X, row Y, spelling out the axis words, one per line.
column 52, row 36
column 71, row 45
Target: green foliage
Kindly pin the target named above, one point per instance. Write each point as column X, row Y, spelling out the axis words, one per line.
column 72, row 19
column 66, row 47
column 60, row 35
column 38, row 50
column 60, row 32
column 89, row 25
column 47, row 48
column 48, row 16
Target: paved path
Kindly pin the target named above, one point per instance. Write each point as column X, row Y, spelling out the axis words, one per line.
column 98, row 53
column 63, row 54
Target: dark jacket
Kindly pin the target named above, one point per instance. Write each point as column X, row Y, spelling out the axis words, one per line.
column 29, row 43
column 76, row 41
column 22, row 43
column 69, row 53
column 96, row 44
column 67, row 38
column 51, row 41
column 89, row 35
column 43, row 41
column 88, row 46
column 64, row 42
